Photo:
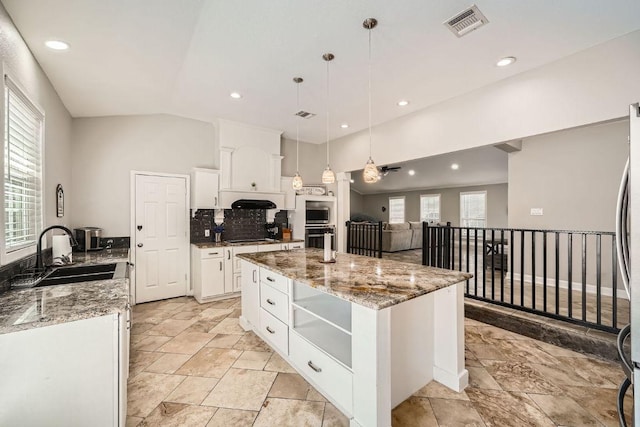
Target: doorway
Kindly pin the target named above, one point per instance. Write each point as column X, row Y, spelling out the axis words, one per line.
column 159, row 236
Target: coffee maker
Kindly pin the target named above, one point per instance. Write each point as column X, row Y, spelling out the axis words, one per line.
column 273, row 230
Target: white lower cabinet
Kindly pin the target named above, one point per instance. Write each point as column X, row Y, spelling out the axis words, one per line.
column 70, row 374
column 207, row 273
column 274, row 331
column 250, row 294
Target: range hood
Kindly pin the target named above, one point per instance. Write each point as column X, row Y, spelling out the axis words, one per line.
column 253, row 204
column 230, row 199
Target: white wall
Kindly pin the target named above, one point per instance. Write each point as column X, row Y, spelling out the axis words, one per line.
column 18, row 60
column 106, row 149
column 312, row 160
column 591, row 86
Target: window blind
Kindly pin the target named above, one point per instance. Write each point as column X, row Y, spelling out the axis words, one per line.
column 430, row 208
column 396, row 210
column 22, row 169
column 473, row 208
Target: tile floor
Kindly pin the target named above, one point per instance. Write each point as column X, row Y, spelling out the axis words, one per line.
column 192, row 365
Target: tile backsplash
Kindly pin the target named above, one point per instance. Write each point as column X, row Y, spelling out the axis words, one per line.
column 201, row 221
column 241, row 224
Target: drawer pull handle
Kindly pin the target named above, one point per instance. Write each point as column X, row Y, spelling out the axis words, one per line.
column 254, row 276
column 270, row 302
column 314, row 367
column 271, row 331
column 213, row 253
column 271, row 279
column 228, row 254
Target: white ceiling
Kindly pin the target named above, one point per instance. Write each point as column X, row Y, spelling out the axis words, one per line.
column 478, row 166
column 185, row 57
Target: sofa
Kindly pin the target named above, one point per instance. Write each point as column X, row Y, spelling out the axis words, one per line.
column 402, row 236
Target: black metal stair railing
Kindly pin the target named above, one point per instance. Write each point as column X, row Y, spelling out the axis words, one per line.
column 566, row 275
column 364, row 238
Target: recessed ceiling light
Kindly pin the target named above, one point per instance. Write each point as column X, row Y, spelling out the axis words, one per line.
column 235, row 95
column 403, row 103
column 455, row 166
column 56, row 45
column 412, row 172
column 351, row 181
column 508, row 60
column 344, row 125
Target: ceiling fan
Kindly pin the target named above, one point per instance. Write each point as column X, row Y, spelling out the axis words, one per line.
column 384, row 170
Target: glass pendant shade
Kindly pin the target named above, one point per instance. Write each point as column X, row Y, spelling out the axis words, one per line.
column 297, row 182
column 328, row 177
column 370, row 173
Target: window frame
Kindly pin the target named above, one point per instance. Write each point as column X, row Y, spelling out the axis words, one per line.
column 439, row 196
column 404, row 209
column 486, row 202
column 12, row 83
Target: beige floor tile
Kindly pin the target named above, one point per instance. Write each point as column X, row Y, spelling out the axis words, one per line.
column 133, row 421
column 169, row 414
column 150, row 343
column 186, row 343
column 288, row 412
column 600, row 402
column 170, row 305
column 563, row 410
column 415, row 411
column 251, row 341
column 141, row 327
column 456, row 413
column 235, row 313
column 241, row 389
column 224, row 340
column 170, row 327
column 168, row 363
column 501, row 408
column 315, row 395
column 232, row 418
column 565, row 374
column 557, row 351
column 185, row 315
column 147, row 390
column 210, row 362
column 227, row 326
column 252, row 360
column 435, row 389
column 334, row 418
column 215, row 314
column 290, row 386
column 192, row 390
column 480, row 378
column 139, row 360
column 202, row 325
column 599, row 372
column 278, row 364
column 516, row 376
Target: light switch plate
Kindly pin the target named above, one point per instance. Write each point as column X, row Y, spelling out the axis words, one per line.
column 536, row 211
column 207, row 233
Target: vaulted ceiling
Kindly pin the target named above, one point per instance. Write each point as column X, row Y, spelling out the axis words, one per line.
column 185, row 57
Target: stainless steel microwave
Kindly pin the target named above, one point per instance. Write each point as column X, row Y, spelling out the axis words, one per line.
column 318, row 215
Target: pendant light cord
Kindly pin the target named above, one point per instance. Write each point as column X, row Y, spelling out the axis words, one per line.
column 297, row 129
column 327, row 116
column 370, row 137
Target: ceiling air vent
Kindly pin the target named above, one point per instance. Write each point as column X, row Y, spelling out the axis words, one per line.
column 305, row 114
column 466, row 21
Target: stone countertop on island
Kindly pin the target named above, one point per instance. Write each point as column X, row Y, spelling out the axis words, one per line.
column 371, row 282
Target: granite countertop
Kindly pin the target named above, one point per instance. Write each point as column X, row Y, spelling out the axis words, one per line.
column 371, row 282
column 22, row 309
column 207, row 245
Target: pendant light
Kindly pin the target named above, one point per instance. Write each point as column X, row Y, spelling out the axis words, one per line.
column 297, row 179
column 328, row 177
column 370, row 173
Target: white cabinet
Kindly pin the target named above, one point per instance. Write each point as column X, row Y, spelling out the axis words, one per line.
column 250, row 294
column 70, row 374
column 228, row 271
column 207, row 273
column 237, row 271
column 292, row 245
column 270, row 248
column 205, row 186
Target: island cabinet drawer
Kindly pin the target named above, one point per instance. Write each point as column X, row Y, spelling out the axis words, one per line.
column 330, row 376
column 275, row 302
column 274, row 331
column 276, row 280
column 211, row 253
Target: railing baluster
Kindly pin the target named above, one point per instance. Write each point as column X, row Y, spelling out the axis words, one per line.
column 544, row 270
column 599, row 278
column 557, row 273
column 570, row 275
column 502, row 265
column 475, row 262
column 614, row 282
column 533, row 270
column 460, row 250
column 467, row 260
column 511, row 249
column 522, row 268
column 484, row 262
column 493, row 268
column 584, row 276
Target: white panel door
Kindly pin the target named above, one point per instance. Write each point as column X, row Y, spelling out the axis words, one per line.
column 161, row 240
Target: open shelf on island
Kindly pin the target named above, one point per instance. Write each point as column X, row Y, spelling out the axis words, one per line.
column 327, row 337
column 331, row 309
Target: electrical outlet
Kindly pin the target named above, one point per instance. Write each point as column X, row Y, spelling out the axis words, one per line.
column 536, row 211
column 207, row 233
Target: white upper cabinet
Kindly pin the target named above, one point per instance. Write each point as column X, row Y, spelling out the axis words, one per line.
column 249, row 154
column 205, row 185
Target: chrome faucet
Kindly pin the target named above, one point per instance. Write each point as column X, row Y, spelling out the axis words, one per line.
column 39, row 263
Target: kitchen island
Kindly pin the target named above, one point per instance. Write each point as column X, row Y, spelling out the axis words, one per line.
column 366, row 332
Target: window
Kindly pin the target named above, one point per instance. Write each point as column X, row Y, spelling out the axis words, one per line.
column 473, row 209
column 396, row 210
column 430, row 208
column 23, row 130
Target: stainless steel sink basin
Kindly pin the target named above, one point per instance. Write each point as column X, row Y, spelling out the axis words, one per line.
column 82, row 273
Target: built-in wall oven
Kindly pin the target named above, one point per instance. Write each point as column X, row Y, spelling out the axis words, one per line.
column 314, row 236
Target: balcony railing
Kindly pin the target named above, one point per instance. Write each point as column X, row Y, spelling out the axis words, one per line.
column 364, row 238
column 566, row 275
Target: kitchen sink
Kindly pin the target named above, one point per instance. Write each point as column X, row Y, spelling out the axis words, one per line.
column 82, row 273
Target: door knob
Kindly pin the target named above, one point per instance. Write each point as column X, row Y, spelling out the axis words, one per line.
column 140, row 245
